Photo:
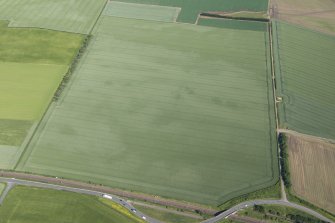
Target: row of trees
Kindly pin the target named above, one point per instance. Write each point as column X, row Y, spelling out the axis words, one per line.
column 71, row 69
column 285, row 172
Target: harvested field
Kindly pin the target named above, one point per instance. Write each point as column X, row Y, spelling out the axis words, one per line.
column 76, row 16
column 305, row 79
column 312, row 165
column 175, row 110
column 314, row 14
column 190, row 9
column 141, row 11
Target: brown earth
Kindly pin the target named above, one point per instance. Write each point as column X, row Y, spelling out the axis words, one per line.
column 312, row 168
column 318, row 15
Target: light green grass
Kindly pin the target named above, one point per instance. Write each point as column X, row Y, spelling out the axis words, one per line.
column 166, row 217
column 37, row 45
column 12, row 132
column 32, row 205
column 2, row 187
column 76, row 16
column 305, row 79
column 26, row 89
column 192, row 8
column 8, row 156
column 32, row 64
column 176, row 110
column 141, row 11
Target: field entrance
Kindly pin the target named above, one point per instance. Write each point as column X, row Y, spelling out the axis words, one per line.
column 175, row 110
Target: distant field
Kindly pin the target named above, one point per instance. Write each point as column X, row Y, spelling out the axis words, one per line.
column 314, row 14
column 32, row 64
column 141, row 11
column 176, row 110
column 190, row 9
column 312, row 166
column 305, row 79
column 76, row 16
column 32, row 205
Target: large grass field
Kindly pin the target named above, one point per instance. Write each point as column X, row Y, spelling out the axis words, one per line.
column 312, row 166
column 305, row 79
column 176, row 110
column 78, row 16
column 33, row 205
column 32, row 64
column 190, row 9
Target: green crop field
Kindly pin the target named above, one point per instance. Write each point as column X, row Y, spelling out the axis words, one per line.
column 305, row 69
column 32, row 64
column 176, row 110
column 141, row 11
column 2, row 187
column 76, row 16
column 190, row 9
column 33, row 205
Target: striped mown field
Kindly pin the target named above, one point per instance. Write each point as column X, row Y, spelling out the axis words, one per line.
column 175, row 110
column 305, row 79
column 76, row 16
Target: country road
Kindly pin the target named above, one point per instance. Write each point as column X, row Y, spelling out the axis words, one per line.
column 261, row 202
column 11, row 182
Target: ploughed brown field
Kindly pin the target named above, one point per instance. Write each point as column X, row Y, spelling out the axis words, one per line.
column 312, row 164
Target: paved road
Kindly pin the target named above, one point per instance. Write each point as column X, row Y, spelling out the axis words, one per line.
column 11, row 182
column 260, row 202
column 4, row 193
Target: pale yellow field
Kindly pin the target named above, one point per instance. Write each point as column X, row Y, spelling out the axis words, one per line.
column 312, row 165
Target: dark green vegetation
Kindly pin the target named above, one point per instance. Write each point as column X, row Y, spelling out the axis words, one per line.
column 166, row 217
column 285, row 170
column 33, row 205
column 305, row 79
column 190, row 9
column 177, row 110
column 272, row 192
column 280, row 214
column 233, row 24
